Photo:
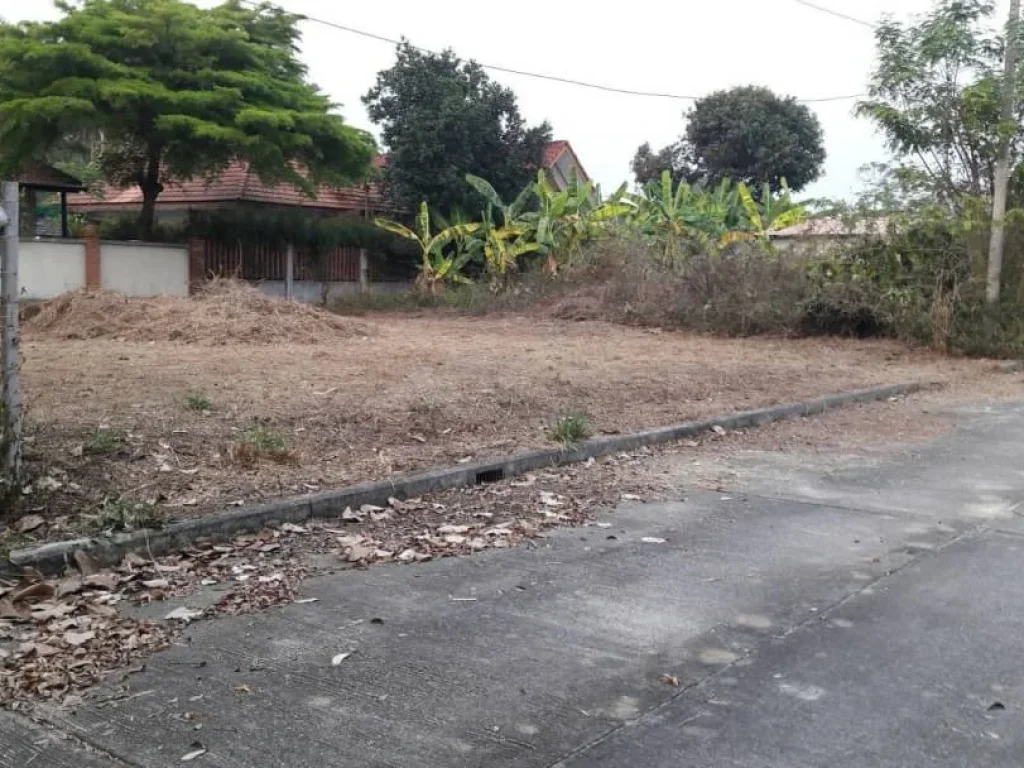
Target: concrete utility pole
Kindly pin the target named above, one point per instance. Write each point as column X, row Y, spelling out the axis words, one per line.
column 10, row 413
column 1002, row 177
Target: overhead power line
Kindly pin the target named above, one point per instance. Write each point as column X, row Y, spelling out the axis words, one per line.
column 837, row 14
column 539, row 75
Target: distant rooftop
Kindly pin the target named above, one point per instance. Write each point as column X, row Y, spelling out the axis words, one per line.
column 238, row 183
column 830, row 226
column 42, row 176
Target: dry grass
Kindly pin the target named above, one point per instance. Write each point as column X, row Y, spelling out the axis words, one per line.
column 419, row 392
column 226, row 311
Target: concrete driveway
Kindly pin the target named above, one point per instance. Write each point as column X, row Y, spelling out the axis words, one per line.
column 822, row 613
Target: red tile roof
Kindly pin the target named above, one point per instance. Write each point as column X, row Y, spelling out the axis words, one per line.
column 239, row 184
column 554, row 150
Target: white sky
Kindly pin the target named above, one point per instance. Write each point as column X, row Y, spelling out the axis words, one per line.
column 685, row 46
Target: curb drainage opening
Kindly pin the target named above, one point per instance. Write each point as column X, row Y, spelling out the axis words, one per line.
column 489, row 476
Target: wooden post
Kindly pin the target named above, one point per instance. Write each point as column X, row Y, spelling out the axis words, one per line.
column 289, row 272
column 196, row 264
column 364, row 271
column 10, row 397
column 93, row 259
column 64, row 231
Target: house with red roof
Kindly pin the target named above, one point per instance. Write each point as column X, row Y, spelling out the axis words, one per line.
column 239, row 186
column 561, row 163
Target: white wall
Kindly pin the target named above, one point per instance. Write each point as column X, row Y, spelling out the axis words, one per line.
column 48, row 268
column 144, row 269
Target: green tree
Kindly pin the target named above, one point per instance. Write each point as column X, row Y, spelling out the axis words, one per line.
column 442, row 118
column 176, row 92
column 745, row 134
column 648, row 165
column 935, row 97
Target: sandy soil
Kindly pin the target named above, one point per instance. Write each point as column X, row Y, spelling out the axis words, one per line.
column 417, row 392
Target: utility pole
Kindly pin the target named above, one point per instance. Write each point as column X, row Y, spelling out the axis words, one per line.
column 10, row 397
column 1002, row 177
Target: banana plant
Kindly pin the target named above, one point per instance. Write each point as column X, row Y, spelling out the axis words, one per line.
column 510, row 213
column 503, row 247
column 767, row 215
column 436, row 266
column 673, row 215
column 566, row 219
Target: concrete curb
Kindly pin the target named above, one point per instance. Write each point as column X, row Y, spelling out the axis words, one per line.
column 51, row 558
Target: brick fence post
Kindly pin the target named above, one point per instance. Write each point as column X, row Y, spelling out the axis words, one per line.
column 196, row 264
column 93, row 269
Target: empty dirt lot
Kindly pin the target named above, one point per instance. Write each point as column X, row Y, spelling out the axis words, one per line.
column 390, row 394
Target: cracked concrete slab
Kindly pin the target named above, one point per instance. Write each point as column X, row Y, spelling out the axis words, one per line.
column 854, row 586
column 24, row 744
column 923, row 671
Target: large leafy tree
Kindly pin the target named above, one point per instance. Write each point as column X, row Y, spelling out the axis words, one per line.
column 173, row 92
column 442, row 118
column 745, row 134
column 935, row 97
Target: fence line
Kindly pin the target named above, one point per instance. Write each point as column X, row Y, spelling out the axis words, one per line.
column 263, row 261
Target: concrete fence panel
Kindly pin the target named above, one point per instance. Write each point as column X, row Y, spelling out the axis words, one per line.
column 144, row 269
column 50, row 267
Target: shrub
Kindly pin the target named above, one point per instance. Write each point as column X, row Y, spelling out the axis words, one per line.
column 571, row 429
column 259, row 442
column 197, row 401
column 101, row 440
column 844, row 309
column 124, row 515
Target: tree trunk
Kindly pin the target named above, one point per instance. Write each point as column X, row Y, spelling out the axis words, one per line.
column 151, row 188
column 995, row 252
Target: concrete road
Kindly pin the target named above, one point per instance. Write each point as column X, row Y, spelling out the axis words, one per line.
column 828, row 613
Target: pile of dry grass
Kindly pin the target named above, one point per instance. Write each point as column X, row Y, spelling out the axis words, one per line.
column 225, row 311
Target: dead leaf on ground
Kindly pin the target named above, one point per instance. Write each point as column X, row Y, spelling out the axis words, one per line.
column 107, row 580
column 75, row 639
column 30, row 523
column 39, row 590
column 132, row 560
column 40, row 649
column 359, row 552
column 68, row 586
column 669, row 680
column 183, row 614
column 48, row 611
column 349, row 516
column 8, row 610
column 87, row 564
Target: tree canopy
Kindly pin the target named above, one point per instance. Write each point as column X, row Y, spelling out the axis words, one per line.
column 745, row 134
column 172, row 91
column 442, row 118
column 935, row 96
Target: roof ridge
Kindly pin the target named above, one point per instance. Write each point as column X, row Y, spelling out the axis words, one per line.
column 245, row 179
